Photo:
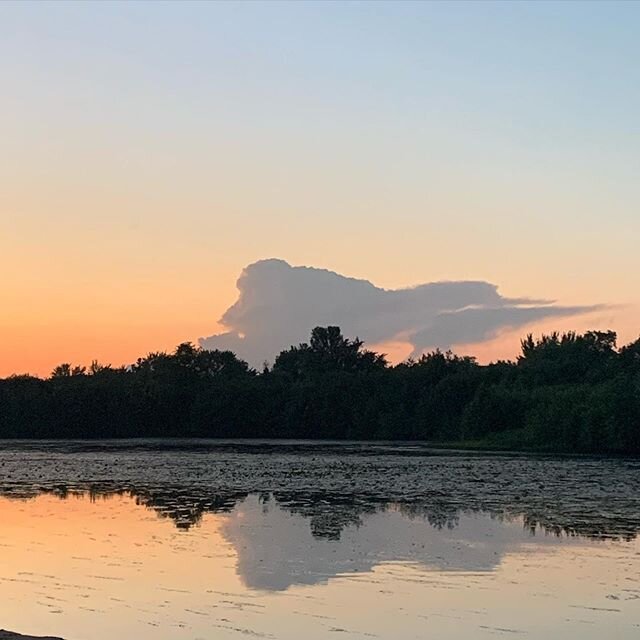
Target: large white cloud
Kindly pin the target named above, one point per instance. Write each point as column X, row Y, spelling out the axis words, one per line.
column 279, row 304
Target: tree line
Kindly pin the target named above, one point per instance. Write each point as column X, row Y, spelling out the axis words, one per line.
column 565, row 392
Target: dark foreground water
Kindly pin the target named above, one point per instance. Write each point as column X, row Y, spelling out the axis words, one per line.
column 202, row 540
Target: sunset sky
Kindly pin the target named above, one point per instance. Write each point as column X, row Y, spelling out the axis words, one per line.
column 149, row 152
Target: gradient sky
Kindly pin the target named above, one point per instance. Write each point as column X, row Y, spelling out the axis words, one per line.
column 150, row 151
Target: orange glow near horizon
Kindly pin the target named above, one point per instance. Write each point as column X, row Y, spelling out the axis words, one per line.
column 37, row 353
column 37, row 347
column 113, row 292
column 43, row 324
column 113, row 289
column 109, row 567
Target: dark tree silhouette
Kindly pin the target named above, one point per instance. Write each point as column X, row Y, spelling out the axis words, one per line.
column 566, row 392
column 328, row 351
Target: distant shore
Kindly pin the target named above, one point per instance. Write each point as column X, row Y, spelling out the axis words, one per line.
column 566, row 393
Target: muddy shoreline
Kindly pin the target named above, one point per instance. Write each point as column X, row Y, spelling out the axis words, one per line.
column 8, row 635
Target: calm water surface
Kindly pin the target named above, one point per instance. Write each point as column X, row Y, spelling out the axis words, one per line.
column 201, row 540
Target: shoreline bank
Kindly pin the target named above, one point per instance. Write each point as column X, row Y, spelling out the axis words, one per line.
column 8, row 635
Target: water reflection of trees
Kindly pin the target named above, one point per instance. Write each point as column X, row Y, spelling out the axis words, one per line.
column 185, row 508
column 329, row 514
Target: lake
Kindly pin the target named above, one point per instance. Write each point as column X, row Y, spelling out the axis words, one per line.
column 197, row 539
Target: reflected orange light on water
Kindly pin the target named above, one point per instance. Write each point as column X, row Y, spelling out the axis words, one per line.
column 94, row 570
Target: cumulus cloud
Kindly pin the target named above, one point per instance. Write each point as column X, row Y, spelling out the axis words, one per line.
column 279, row 304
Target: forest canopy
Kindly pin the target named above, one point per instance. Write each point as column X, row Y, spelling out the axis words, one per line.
column 565, row 392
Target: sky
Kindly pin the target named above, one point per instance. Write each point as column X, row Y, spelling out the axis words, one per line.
column 151, row 151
